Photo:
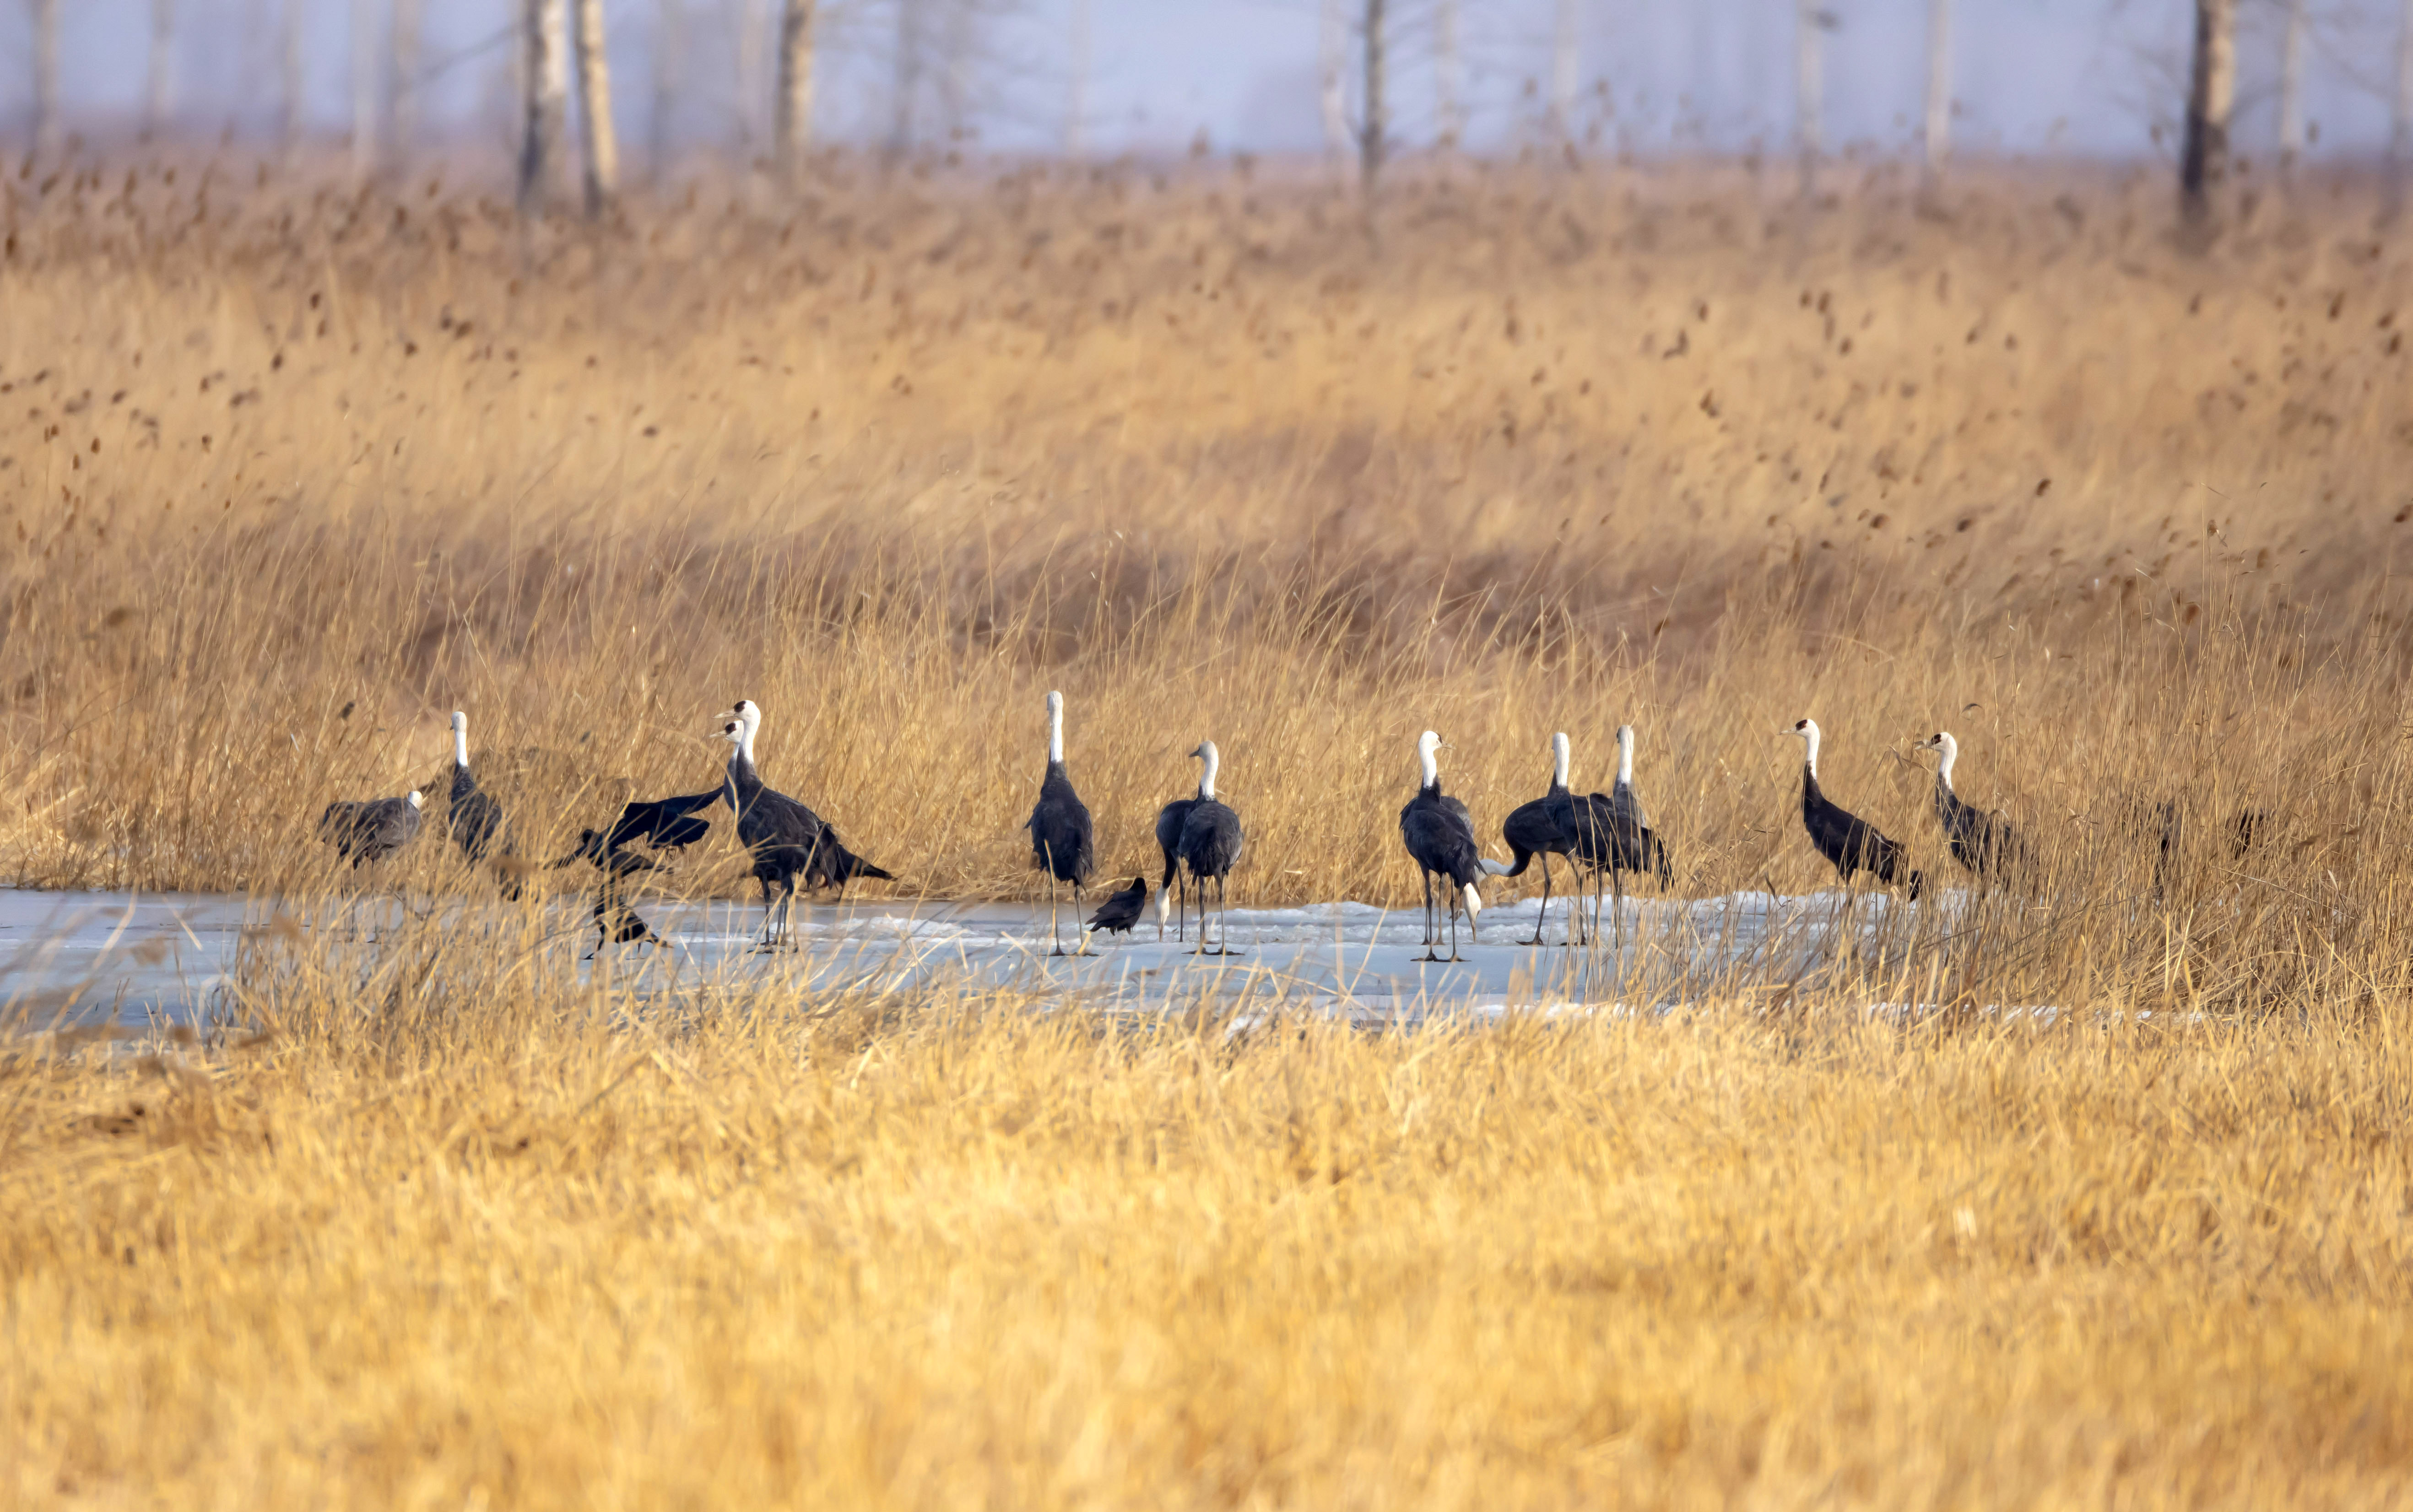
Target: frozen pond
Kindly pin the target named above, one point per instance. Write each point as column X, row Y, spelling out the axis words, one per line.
column 86, row 958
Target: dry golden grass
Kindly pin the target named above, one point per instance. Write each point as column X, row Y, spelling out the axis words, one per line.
column 293, row 472
column 831, row 1258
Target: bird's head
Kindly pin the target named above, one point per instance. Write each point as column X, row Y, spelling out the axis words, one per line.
column 1427, row 743
column 460, row 721
column 413, row 798
column 1806, row 729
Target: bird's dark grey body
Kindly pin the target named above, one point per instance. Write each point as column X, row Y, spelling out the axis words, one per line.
column 1062, row 843
column 1439, row 834
column 1545, row 827
column 1122, row 910
column 1169, row 821
column 1209, row 843
column 370, row 829
column 790, row 843
column 1850, row 843
column 1984, row 844
column 663, row 823
column 471, row 816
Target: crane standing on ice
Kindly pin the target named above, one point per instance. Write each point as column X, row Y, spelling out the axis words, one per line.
column 1983, row 844
column 1209, row 846
column 1848, row 841
column 1546, row 827
column 788, row 840
column 1060, row 837
column 1439, row 837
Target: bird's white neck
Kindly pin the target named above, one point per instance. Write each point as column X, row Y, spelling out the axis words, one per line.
column 461, row 744
column 1810, row 753
column 1558, row 760
column 1207, row 774
column 1625, row 755
column 1055, row 732
column 745, row 724
column 1427, row 764
column 1947, row 753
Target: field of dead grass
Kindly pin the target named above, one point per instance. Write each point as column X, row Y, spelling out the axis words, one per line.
column 291, row 472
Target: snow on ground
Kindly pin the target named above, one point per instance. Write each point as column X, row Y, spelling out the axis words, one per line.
column 85, row 956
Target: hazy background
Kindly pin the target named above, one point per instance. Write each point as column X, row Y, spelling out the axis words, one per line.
column 2090, row 77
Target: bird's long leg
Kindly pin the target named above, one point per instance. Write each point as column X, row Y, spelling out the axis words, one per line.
column 765, row 943
column 1222, row 921
column 1431, row 929
column 1080, row 922
column 1546, row 903
column 1452, row 920
column 1055, row 930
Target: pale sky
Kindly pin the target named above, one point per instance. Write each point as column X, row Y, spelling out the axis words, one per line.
column 2032, row 76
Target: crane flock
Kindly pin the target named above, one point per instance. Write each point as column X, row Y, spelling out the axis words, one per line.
column 1604, row 837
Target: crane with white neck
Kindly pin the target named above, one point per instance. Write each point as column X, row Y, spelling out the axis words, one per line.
column 1209, row 845
column 1850, row 843
column 1061, row 840
column 1983, row 844
column 789, row 842
column 1439, row 834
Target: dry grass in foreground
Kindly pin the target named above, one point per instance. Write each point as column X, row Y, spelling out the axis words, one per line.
column 816, row 1256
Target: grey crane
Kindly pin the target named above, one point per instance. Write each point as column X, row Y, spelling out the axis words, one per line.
column 371, row 829
column 1209, row 846
column 1849, row 842
column 1061, row 844
column 1983, row 844
column 1439, row 837
column 788, row 840
column 472, row 817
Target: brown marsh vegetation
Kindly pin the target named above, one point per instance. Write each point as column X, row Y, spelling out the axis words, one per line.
column 291, row 472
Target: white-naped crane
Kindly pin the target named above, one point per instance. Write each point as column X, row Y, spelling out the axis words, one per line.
column 1850, row 843
column 1440, row 837
column 1209, row 846
column 371, row 829
column 472, row 817
column 660, row 824
column 1061, row 844
column 1984, row 844
column 789, row 842
column 1546, row 827
column 1171, row 890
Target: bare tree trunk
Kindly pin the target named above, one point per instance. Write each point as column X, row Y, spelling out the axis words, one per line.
column 1331, row 60
column 1370, row 146
column 603, row 158
column 158, row 90
column 364, row 88
column 1448, row 76
column 793, row 131
column 669, row 55
column 1566, row 39
column 545, row 41
column 908, row 80
column 954, row 71
column 748, row 57
column 2291, row 91
column 1076, row 104
column 2210, row 92
column 288, row 66
column 46, row 78
column 402, row 63
column 1939, row 89
column 1808, row 93
column 2400, row 138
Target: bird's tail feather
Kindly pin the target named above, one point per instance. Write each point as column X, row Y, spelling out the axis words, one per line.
column 1494, row 869
column 1473, row 900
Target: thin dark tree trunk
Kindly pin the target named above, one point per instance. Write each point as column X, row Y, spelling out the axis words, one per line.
column 2212, row 90
column 545, row 102
column 792, row 130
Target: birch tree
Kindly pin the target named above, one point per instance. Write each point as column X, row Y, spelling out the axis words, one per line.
column 158, row 88
column 289, row 68
column 1938, row 135
column 2291, row 90
column 545, row 96
column 747, row 56
column 1449, row 110
column 2400, row 136
column 2212, row 91
column 364, row 87
column 602, row 158
column 1809, row 90
column 46, row 78
column 1566, row 62
column 669, row 55
column 1331, row 60
column 1373, row 135
column 792, row 124
column 402, row 62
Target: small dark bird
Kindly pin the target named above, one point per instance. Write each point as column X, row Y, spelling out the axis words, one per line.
column 1983, row 844
column 1848, row 841
column 788, row 840
column 473, row 818
column 1441, row 837
column 1209, row 846
column 1120, row 911
column 1546, row 827
column 664, row 824
column 1060, row 842
column 371, row 829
